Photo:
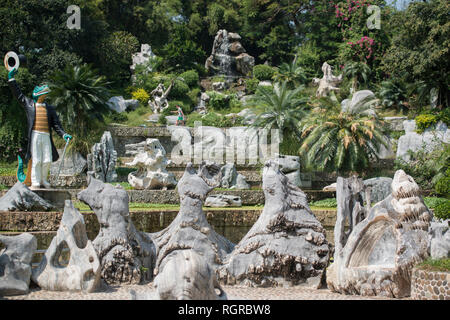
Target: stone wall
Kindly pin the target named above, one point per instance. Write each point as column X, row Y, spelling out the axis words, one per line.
column 430, row 285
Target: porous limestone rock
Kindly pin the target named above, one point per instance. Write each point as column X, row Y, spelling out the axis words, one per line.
column 358, row 99
column 190, row 229
column 328, row 82
column 285, row 246
column 380, row 188
column 290, row 166
column 228, row 56
column 102, row 159
column 82, row 273
column 73, row 164
column 431, row 139
column 439, row 239
column 186, row 275
column 232, row 179
column 126, row 255
column 381, row 251
column 119, row 104
column 15, row 263
column 223, row 200
column 150, row 158
column 20, row 198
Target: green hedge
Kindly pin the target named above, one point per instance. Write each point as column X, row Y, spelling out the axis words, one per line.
column 191, row 78
column 263, row 72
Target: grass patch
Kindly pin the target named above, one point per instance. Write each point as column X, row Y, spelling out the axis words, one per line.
column 435, row 265
column 3, row 187
column 9, row 169
column 324, row 203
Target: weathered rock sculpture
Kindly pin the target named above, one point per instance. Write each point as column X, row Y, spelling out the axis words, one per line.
column 223, row 200
column 20, row 198
column 328, row 82
column 439, row 239
column 102, row 160
column 186, row 275
column 119, row 104
column 286, row 245
column 126, row 255
column 379, row 254
column 190, row 229
column 228, row 56
column 290, row 166
column 15, row 263
column 350, row 208
column 159, row 101
column 150, row 158
column 82, row 273
column 232, row 179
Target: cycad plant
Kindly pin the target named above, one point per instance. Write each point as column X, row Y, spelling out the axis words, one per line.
column 280, row 108
column 341, row 141
column 393, row 94
column 291, row 72
column 358, row 72
column 79, row 95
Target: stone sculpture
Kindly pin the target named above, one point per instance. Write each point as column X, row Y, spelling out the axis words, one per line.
column 159, row 100
column 360, row 98
column 285, row 246
column 202, row 107
column 439, row 239
column 232, row 179
column 228, row 56
column 290, row 166
column 223, row 200
column 190, row 229
column 102, row 160
column 15, row 263
column 379, row 254
column 186, row 275
column 350, row 208
column 431, row 139
column 126, row 255
column 82, row 273
column 119, row 104
column 21, row 198
column 150, row 158
column 328, row 82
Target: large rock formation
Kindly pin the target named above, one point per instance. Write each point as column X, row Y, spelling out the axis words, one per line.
column 285, row 246
column 186, row 275
column 431, row 139
column 15, row 263
column 20, row 198
column 379, row 254
column 328, row 82
column 150, row 158
column 228, row 56
column 223, row 200
column 119, row 104
column 439, row 239
column 102, row 160
column 82, row 273
column 232, row 179
column 126, row 255
column 190, row 229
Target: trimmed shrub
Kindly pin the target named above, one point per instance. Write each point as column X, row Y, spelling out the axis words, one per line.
column 424, row 121
column 263, row 72
column 141, row 95
column 191, row 78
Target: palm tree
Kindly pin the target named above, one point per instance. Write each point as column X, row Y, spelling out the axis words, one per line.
column 280, row 107
column 357, row 71
column 292, row 73
column 341, row 141
column 79, row 95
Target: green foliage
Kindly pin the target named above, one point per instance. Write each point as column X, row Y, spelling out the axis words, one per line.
column 393, row 94
column 324, row 203
column 359, row 73
column 442, row 210
column 292, row 73
column 263, row 72
column 162, row 119
column 213, row 119
column 169, row 111
column 308, row 58
column 191, row 78
column 218, row 100
column 442, row 186
column 79, row 95
column 425, row 121
column 251, row 84
column 193, row 95
column 281, row 108
column 179, row 89
column 435, row 265
column 141, row 95
column 340, row 141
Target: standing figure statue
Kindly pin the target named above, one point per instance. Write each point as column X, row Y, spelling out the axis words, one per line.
column 41, row 119
column 159, row 95
column 328, row 83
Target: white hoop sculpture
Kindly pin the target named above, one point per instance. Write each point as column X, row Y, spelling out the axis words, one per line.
column 11, row 54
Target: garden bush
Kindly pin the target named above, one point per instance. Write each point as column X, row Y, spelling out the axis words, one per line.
column 191, row 78
column 251, row 85
column 442, row 210
column 442, row 186
column 141, row 95
column 217, row 100
column 179, row 89
column 263, row 72
column 162, row 119
column 424, row 121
